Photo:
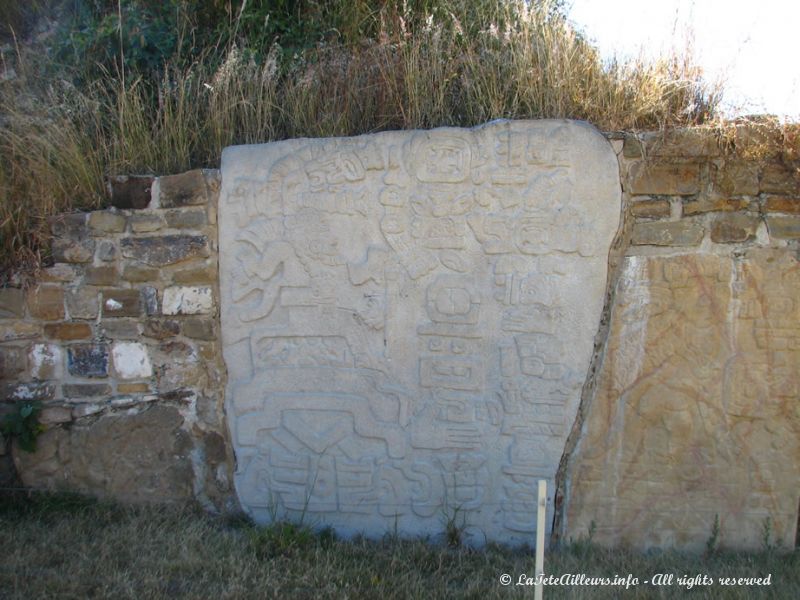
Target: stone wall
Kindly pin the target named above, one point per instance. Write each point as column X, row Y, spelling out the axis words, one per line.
column 119, row 341
column 689, row 409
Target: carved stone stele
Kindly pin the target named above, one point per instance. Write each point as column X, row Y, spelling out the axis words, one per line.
column 408, row 319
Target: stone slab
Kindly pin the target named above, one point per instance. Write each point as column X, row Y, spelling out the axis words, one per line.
column 695, row 411
column 408, row 319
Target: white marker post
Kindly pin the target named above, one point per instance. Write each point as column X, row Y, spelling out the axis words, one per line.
column 541, row 512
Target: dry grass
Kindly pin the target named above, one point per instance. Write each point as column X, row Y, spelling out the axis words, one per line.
column 461, row 68
column 67, row 547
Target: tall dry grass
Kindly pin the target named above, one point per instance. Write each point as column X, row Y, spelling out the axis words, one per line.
column 468, row 66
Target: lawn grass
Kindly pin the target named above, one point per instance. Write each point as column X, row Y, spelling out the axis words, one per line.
column 71, row 547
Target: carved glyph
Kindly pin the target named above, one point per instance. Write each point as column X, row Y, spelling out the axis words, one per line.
column 408, row 319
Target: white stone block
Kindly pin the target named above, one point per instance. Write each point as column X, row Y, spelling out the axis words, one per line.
column 131, row 360
column 46, row 361
column 187, row 300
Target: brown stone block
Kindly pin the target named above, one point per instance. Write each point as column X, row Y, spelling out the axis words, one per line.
column 139, row 274
column 68, row 225
column 60, row 272
column 133, row 388
column 706, row 205
column 198, row 274
column 121, row 303
column 106, row 221
column 782, row 204
column 12, row 361
column 733, row 228
column 146, row 223
column 671, row 233
column 130, row 191
column 19, row 330
column 159, row 251
column 12, row 303
column 105, row 275
column 736, row 178
column 68, row 331
column 183, row 190
column 69, row 251
column 161, row 329
column 777, row 178
column 86, row 390
column 186, row 218
column 787, row 228
column 46, row 302
column 652, row 209
column 664, row 178
column 198, row 329
column 83, row 303
column 681, row 143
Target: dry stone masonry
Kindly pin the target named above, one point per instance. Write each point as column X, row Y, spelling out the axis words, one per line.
column 408, row 319
column 416, row 326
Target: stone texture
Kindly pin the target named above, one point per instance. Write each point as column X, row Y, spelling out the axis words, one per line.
column 12, row 361
column 664, row 178
column 69, row 225
column 86, row 390
column 187, row 300
column 36, row 391
column 782, row 204
column 53, row 415
column 183, row 189
column 60, row 272
column 777, row 178
column 121, row 303
column 671, row 233
column 102, row 222
column 45, row 361
column 116, row 329
column 708, row 204
column 83, row 303
column 733, row 228
column 68, row 331
column 88, row 360
column 786, row 228
column 650, row 209
column 187, row 218
column 178, row 367
column 137, row 274
column 146, row 223
column 150, row 300
column 736, row 178
column 165, row 250
column 681, row 143
column 130, row 191
column 46, row 302
column 105, row 275
column 19, row 330
column 133, row 388
column 131, row 360
column 129, row 457
column 195, row 275
column 695, row 409
column 69, row 251
column 199, row 329
column 161, row 329
column 12, row 303
column 409, row 318
column 106, row 251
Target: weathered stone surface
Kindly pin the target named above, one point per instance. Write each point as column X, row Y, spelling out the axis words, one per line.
column 68, row 331
column 785, row 228
column 36, row 391
column 46, row 302
column 105, row 275
column 53, row 415
column 177, row 366
column 121, row 303
column 650, row 209
column 12, row 361
column 60, row 272
column 187, row 301
column 664, row 178
column 150, row 300
column 146, row 223
column 131, row 360
column 410, row 316
column 116, row 329
column 106, row 221
column 714, row 204
column 133, row 388
column 161, row 329
column 733, row 228
column 12, row 303
column 165, row 250
column 681, row 143
column 86, row 390
column 88, row 360
column 195, row 275
column 782, row 204
column 83, row 303
column 68, row 251
column 19, row 330
column 106, row 251
column 87, row 410
column 183, row 189
column 137, row 274
column 736, row 178
column 46, row 361
column 139, row 457
column 777, row 178
column 695, row 409
column 199, row 329
column 187, row 218
column 69, row 225
column 671, row 233
column 130, row 191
